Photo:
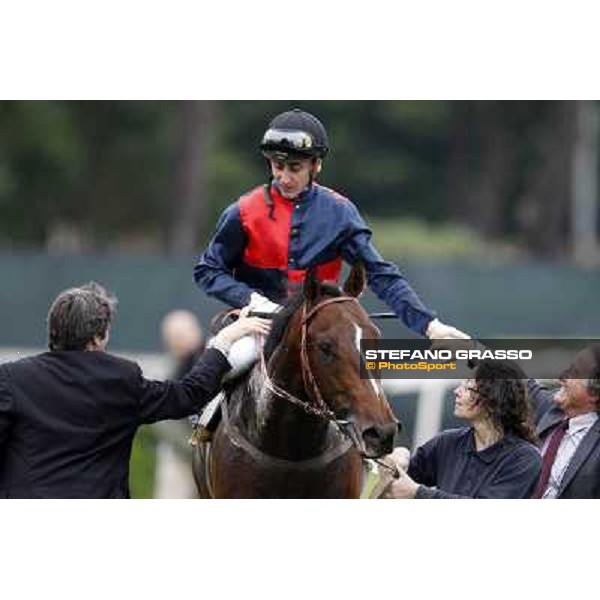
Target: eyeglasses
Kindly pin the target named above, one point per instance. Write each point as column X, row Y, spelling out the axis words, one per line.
column 294, row 140
column 468, row 386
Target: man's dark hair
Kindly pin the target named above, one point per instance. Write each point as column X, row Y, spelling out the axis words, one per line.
column 78, row 316
column 503, row 393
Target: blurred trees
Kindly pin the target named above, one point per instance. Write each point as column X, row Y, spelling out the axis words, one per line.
column 510, row 168
column 189, row 202
column 145, row 175
column 83, row 174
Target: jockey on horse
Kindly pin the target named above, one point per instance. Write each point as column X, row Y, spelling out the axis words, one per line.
column 268, row 239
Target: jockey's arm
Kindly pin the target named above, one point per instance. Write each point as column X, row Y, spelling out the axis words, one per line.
column 214, row 270
column 383, row 277
column 390, row 285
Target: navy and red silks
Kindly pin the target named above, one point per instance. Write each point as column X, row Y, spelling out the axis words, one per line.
column 269, row 248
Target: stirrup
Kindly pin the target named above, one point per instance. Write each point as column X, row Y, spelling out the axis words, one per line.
column 200, row 435
column 207, row 422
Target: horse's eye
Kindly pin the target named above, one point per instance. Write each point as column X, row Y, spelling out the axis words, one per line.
column 325, row 347
column 343, row 414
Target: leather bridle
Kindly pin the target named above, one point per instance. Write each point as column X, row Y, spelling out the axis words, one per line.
column 318, row 407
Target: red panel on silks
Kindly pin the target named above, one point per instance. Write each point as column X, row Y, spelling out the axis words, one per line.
column 268, row 238
column 329, row 271
column 269, row 231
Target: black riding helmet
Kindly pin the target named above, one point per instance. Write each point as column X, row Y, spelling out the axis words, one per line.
column 295, row 134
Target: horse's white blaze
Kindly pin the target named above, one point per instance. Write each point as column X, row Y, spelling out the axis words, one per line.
column 357, row 338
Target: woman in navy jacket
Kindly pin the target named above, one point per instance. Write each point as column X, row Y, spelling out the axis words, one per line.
column 493, row 457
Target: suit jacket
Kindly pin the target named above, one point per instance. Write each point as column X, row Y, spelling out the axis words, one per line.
column 68, row 418
column 582, row 477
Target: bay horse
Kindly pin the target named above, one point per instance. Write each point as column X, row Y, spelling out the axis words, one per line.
column 299, row 424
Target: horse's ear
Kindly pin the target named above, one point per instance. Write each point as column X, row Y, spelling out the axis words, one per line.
column 312, row 287
column 357, row 280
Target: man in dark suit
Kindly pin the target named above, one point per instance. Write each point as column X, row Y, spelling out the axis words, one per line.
column 68, row 416
column 568, row 427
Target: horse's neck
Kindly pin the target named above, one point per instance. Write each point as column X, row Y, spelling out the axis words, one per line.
column 277, row 426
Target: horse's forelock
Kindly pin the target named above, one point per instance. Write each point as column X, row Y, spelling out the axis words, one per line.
column 282, row 319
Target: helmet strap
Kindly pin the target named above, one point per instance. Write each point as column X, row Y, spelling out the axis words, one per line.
column 315, row 170
column 268, row 198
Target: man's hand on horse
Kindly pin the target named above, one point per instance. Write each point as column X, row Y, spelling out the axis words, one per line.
column 242, row 327
column 436, row 330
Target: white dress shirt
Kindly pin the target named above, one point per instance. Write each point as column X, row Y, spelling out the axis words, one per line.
column 578, row 427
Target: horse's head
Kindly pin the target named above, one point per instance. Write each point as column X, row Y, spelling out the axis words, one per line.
column 327, row 330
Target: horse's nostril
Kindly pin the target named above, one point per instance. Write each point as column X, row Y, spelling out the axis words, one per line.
column 382, row 438
column 382, row 433
column 372, row 434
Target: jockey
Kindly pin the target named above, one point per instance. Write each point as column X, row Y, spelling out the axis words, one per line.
column 266, row 241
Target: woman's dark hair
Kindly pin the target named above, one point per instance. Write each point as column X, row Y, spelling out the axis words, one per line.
column 78, row 316
column 502, row 390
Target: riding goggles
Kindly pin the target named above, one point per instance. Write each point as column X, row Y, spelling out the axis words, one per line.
column 296, row 141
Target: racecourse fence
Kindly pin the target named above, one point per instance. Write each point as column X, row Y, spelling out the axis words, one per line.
column 526, row 300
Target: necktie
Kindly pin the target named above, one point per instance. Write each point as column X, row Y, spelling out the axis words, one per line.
column 548, row 459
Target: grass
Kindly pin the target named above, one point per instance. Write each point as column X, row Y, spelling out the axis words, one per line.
column 143, row 464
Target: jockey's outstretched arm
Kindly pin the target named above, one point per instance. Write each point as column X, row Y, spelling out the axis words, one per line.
column 390, row 285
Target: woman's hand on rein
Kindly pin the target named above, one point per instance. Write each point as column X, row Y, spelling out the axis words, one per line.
column 399, row 458
column 403, row 488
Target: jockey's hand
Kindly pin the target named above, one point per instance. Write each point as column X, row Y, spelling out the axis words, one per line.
column 259, row 303
column 436, row 330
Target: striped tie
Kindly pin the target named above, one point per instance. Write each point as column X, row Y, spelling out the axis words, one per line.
column 548, row 459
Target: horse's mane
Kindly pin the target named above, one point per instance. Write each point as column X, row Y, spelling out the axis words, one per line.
column 282, row 319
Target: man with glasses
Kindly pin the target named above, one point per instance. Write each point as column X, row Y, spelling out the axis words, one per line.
column 265, row 242
column 569, row 430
